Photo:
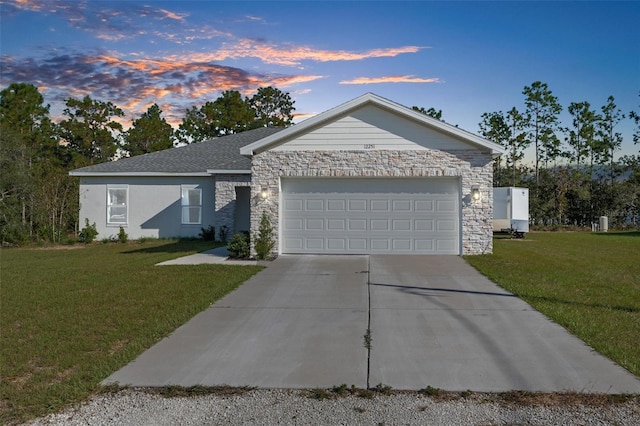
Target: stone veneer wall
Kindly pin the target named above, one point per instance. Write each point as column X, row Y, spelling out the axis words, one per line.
column 225, row 200
column 473, row 167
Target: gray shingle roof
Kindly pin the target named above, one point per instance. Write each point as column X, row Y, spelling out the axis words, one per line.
column 221, row 153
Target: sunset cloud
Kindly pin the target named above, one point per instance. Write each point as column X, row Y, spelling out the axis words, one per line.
column 293, row 55
column 135, row 83
column 391, row 79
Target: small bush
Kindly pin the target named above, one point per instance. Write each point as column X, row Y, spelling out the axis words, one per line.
column 122, row 235
column 88, row 233
column 431, row 391
column 238, row 247
column 264, row 239
column 208, row 234
column 319, row 393
column 224, row 233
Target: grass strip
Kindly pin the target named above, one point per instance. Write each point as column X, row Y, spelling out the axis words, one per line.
column 71, row 316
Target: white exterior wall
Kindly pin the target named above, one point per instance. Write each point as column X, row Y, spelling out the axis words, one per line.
column 375, row 128
column 155, row 207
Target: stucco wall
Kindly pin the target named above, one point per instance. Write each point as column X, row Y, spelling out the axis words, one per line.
column 154, row 205
column 473, row 167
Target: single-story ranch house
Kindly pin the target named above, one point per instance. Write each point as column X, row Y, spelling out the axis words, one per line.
column 368, row 176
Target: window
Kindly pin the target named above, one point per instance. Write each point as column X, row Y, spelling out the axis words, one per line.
column 117, row 204
column 191, row 205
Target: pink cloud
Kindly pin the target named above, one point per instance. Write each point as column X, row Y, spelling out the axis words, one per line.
column 391, row 79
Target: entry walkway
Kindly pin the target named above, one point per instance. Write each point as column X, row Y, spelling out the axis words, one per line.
column 434, row 321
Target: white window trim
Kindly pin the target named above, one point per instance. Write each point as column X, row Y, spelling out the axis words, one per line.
column 126, row 222
column 183, row 205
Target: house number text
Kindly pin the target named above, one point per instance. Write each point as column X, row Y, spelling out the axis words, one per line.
column 369, row 146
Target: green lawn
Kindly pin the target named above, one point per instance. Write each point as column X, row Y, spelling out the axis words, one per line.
column 69, row 317
column 588, row 283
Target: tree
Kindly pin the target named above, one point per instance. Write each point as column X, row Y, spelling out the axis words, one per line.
column 582, row 135
column 431, row 112
column 272, row 107
column 636, row 133
column 232, row 114
column 226, row 115
column 542, row 110
column 494, row 128
column 611, row 116
column 149, row 133
column 27, row 143
column 90, row 130
column 507, row 130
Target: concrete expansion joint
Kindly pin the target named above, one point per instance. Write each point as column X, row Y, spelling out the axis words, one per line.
column 367, row 335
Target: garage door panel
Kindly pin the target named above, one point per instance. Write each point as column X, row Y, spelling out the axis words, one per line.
column 357, row 224
column 357, row 244
column 314, row 224
column 401, row 224
column 379, row 245
column 336, row 224
column 293, row 205
column 322, row 215
column 424, row 225
column 336, row 205
column 380, row 205
column 358, row 205
column 424, row 206
column 314, row 243
column 314, row 205
column 379, row 225
column 401, row 205
column 401, row 244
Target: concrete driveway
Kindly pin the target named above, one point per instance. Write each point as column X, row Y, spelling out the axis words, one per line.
column 434, row 321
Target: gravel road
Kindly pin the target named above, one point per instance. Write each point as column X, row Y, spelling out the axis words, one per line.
column 299, row 407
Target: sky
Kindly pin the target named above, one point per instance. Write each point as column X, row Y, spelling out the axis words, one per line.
column 464, row 58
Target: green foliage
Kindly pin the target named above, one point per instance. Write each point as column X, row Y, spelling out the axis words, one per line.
column 431, row 112
column 384, row 389
column 230, row 114
column 122, row 235
column 431, row 391
column 88, row 233
column 63, row 332
column 90, row 130
column 208, row 234
column 239, row 247
column 272, row 107
column 149, row 133
column 367, row 339
column 264, row 241
column 541, row 122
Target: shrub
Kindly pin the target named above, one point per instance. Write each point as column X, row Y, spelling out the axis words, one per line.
column 224, row 233
column 264, row 240
column 238, row 247
column 208, row 234
column 88, row 233
column 122, row 235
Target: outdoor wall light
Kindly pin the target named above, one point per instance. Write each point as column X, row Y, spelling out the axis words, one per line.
column 264, row 193
column 475, row 193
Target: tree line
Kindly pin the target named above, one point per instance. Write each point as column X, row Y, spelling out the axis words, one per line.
column 38, row 198
column 574, row 177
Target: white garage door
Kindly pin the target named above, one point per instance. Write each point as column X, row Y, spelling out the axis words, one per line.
column 370, row 215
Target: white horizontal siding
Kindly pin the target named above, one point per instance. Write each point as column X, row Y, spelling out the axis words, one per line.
column 373, row 128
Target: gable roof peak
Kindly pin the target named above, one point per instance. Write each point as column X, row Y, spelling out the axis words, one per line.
column 381, row 102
